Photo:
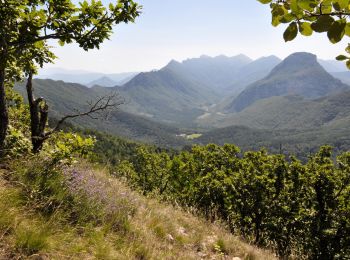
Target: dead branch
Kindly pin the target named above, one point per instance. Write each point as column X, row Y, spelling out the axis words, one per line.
column 102, row 105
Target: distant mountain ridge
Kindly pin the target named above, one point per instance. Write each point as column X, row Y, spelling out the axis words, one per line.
column 181, row 92
column 163, row 106
column 84, row 77
column 103, row 82
column 217, row 73
column 298, row 74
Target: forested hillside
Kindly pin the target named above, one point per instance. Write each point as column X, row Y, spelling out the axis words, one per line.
column 221, row 157
column 66, row 98
column 289, row 112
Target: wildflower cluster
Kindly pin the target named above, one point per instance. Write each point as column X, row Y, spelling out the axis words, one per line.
column 97, row 195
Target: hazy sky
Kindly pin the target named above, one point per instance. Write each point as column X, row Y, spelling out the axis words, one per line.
column 180, row 29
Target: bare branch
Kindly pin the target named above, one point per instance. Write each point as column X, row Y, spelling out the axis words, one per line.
column 102, row 104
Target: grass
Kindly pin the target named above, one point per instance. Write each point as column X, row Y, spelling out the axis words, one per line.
column 145, row 229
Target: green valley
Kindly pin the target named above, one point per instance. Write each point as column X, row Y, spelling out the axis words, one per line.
column 120, row 140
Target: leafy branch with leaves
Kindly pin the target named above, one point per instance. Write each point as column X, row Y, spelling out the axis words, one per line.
column 27, row 25
column 309, row 16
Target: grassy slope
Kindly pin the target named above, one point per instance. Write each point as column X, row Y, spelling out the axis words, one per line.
column 156, row 231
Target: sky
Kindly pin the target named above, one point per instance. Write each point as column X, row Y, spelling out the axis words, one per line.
column 181, row 29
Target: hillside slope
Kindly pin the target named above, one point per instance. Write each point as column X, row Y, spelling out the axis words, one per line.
column 297, row 124
column 151, row 231
column 167, row 96
column 299, row 74
column 288, row 112
column 65, row 98
column 252, row 72
column 291, row 142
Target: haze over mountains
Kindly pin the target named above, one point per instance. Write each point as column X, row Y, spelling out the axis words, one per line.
column 295, row 99
column 299, row 74
column 86, row 78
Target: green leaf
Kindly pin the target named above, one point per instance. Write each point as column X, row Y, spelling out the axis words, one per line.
column 347, row 49
column 343, row 3
column 277, row 12
column 308, row 5
column 322, row 24
column 294, row 7
column 348, row 64
column 61, row 43
column 265, row 1
column 275, row 21
column 291, row 32
column 336, row 6
column 347, row 29
column 326, row 8
column 305, row 29
column 337, row 31
column 341, row 58
column 287, row 18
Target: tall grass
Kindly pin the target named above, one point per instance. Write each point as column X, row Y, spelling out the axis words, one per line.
column 79, row 212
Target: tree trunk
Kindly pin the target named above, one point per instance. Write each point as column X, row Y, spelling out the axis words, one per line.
column 4, row 117
column 38, row 117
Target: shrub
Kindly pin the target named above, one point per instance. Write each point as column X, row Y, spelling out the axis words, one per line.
column 296, row 208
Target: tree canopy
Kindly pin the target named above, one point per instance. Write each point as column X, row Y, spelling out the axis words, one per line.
column 27, row 25
column 308, row 16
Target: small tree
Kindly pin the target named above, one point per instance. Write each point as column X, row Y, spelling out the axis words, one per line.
column 27, row 25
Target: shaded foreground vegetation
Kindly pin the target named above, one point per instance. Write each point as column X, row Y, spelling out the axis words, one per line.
column 297, row 209
column 58, row 211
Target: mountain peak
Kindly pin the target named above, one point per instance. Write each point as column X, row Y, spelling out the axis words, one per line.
column 301, row 59
column 173, row 62
column 298, row 74
column 270, row 57
column 301, row 56
column 242, row 57
column 205, row 57
column 297, row 62
column 102, row 81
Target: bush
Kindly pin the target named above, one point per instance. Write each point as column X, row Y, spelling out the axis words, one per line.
column 296, row 208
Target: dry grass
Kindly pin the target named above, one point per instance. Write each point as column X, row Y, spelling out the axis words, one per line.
column 155, row 231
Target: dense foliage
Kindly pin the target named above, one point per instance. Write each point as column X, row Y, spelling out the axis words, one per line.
column 295, row 208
